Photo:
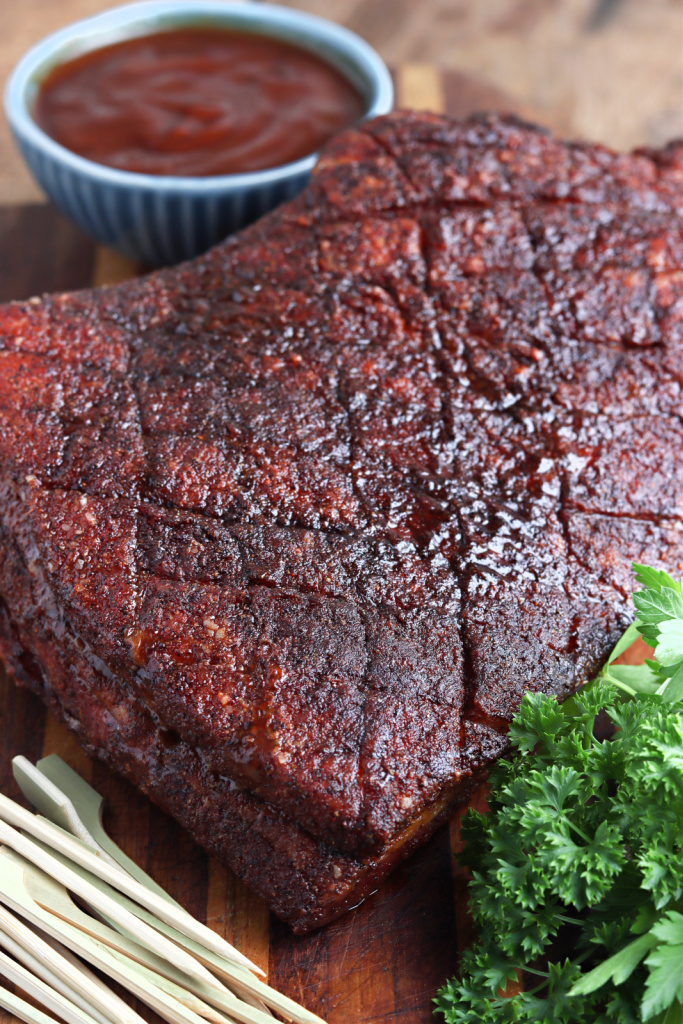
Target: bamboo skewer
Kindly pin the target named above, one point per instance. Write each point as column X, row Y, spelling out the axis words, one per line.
column 66, row 975
column 143, row 932
column 13, row 814
column 43, row 993
column 194, row 948
column 49, row 895
column 66, row 799
column 134, row 977
column 23, row 1010
column 54, row 980
column 249, row 988
column 138, row 935
column 55, row 899
column 192, row 1005
column 53, row 803
column 59, row 791
column 238, row 981
column 61, row 795
column 110, row 1001
column 142, row 981
column 235, row 976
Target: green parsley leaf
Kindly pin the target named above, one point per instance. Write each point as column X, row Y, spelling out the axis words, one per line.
column 616, row 968
column 654, row 579
column 669, row 649
column 657, row 606
column 664, row 985
column 672, row 688
column 638, row 678
column 674, row 1015
column 582, row 850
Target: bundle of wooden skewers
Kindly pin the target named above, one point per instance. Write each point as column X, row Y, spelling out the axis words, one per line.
column 70, row 900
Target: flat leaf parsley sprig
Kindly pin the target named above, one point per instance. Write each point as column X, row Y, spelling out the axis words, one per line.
column 577, row 871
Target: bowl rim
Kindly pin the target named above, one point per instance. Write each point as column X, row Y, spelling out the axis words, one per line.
column 335, row 36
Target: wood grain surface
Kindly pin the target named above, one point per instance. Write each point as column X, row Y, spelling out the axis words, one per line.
column 381, row 963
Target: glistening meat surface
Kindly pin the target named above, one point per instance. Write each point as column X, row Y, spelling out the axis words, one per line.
column 287, row 531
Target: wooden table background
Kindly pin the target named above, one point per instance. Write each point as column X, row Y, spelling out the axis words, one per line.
column 607, row 69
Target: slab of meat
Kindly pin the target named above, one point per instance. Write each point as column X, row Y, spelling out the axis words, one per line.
column 288, row 531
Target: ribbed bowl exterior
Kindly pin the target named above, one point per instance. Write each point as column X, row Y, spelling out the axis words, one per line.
column 162, row 220
column 158, row 228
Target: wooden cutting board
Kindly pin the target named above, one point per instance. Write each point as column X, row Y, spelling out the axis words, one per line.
column 382, row 962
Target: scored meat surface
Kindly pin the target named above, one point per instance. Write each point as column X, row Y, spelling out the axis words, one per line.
column 287, row 531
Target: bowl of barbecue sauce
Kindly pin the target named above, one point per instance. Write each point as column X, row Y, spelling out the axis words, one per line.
column 161, row 127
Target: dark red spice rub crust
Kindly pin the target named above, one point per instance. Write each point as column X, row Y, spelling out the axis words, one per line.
column 287, row 531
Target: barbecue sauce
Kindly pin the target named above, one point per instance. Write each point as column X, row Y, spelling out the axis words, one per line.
column 196, row 102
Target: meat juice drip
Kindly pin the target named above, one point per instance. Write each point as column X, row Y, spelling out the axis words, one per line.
column 196, row 102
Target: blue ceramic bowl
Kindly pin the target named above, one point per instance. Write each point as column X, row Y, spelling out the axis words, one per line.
column 159, row 219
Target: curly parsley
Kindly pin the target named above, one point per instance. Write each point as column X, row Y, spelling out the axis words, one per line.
column 582, row 851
